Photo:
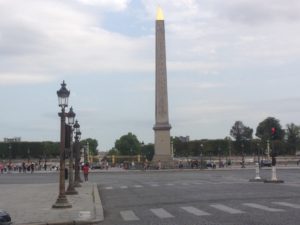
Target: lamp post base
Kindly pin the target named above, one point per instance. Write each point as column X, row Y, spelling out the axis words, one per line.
column 71, row 190
column 61, row 203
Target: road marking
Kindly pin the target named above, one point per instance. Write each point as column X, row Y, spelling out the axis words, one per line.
column 295, row 206
column 129, row 215
column 84, row 214
column 137, row 186
column 227, row 209
column 198, row 183
column 169, row 184
column 109, row 188
column 154, row 185
column 161, row 213
column 195, row 211
column 262, row 207
column 124, row 187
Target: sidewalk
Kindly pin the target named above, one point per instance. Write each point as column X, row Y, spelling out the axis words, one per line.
column 32, row 204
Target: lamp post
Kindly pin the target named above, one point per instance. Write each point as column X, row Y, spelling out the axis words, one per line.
column 172, row 149
column 219, row 152
column 63, row 95
column 243, row 156
column 77, row 155
column 201, row 156
column 9, row 162
column 71, row 190
column 258, row 154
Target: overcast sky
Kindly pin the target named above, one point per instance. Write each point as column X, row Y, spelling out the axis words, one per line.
column 226, row 61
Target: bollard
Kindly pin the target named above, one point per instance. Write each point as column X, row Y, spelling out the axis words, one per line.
column 257, row 178
column 274, row 176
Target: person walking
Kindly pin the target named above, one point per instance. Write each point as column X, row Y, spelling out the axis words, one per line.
column 86, row 172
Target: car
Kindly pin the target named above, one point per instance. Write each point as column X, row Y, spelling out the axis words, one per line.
column 96, row 166
column 266, row 163
column 5, row 218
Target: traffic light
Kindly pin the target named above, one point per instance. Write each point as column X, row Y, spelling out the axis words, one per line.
column 273, row 131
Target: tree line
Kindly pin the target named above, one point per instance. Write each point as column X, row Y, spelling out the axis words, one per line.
column 240, row 142
column 39, row 150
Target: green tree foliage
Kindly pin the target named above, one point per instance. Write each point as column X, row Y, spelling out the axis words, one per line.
column 128, row 145
column 113, row 151
column 264, row 129
column 241, row 134
column 93, row 144
column 292, row 137
column 148, row 151
column 29, row 150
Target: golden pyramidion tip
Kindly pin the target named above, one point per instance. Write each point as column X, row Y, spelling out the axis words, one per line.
column 160, row 15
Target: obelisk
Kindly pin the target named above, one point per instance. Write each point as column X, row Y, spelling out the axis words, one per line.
column 162, row 146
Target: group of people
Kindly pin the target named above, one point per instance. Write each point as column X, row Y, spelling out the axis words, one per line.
column 21, row 167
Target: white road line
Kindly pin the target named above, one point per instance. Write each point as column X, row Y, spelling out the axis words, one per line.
column 262, row 207
column 169, row 184
column 84, row 215
column 109, row 188
column 227, row 209
column 161, row 213
column 129, row 215
column 295, row 206
column 124, row 187
column 198, row 183
column 154, row 185
column 137, row 186
column 195, row 211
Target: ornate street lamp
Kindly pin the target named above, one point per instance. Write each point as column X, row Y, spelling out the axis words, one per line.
column 77, row 155
column 63, row 95
column 71, row 118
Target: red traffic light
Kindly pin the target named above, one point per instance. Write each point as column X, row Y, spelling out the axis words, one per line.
column 273, row 130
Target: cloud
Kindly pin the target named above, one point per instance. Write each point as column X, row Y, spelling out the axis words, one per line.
column 114, row 5
column 17, row 79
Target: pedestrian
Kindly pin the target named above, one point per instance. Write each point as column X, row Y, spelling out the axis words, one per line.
column 86, row 172
column 159, row 165
column 32, row 167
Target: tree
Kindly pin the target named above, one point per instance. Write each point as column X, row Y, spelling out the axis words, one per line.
column 240, row 132
column 93, row 144
column 148, row 151
column 128, row 145
column 264, row 129
column 292, row 137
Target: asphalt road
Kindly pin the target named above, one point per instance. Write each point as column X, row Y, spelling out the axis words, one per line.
column 208, row 197
column 199, row 197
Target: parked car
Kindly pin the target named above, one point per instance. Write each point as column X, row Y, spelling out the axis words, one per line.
column 267, row 163
column 4, row 218
column 96, row 166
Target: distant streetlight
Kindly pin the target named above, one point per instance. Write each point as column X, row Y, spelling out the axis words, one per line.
column 71, row 190
column 77, row 154
column 201, row 156
column 243, row 156
column 63, row 96
column 10, row 156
